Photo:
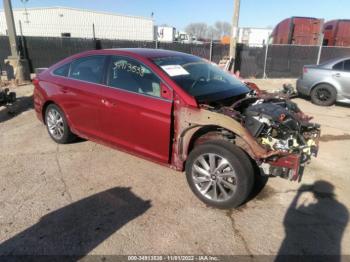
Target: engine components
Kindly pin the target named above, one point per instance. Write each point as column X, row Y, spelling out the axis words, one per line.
column 279, row 126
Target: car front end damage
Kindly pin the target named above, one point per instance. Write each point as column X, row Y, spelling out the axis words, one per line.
column 270, row 128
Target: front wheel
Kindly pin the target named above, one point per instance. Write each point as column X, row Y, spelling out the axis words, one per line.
column 220, row 174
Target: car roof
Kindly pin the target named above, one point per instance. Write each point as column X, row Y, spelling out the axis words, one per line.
column 140, row 53
column 149, row 52
column 330, row 63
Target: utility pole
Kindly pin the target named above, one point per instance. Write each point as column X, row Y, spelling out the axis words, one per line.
column 234, row 36
column 11, row 29
column 18, row 65
column 320, row 43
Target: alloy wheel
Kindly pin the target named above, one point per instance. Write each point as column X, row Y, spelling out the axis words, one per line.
column 214, row 177
column 55, row 124
column 323, row 94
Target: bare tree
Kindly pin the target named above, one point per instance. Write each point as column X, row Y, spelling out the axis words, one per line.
column 213, row 33
column 223, row 28
column 203, row 31
column 197, row 29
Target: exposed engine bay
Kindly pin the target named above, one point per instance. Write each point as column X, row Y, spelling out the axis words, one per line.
column 279, row 126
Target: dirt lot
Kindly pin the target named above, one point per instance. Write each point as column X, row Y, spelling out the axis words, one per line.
column 86, row 198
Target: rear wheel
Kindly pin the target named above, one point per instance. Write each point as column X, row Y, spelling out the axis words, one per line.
column 324, row 95
column 220, row 174
column 57, row 125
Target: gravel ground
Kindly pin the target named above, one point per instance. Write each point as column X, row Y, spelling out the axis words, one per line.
column 86, row 198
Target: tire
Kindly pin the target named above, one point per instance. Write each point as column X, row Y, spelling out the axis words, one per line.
column 260, row 181
column 235, row 177
column 324, row 95
column 57, row 125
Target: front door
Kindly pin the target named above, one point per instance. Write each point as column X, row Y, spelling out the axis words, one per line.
column 134, row 114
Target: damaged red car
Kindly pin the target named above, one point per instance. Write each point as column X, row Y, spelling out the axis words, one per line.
column 181, row 111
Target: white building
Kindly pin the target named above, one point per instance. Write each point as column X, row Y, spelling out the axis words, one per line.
column 254, row 36
column 71, row 22
column 166, row 33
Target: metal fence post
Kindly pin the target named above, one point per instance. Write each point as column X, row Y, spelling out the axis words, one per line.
column 320, row 50
column 265, row 60
column 157, row 44
column 211, row 51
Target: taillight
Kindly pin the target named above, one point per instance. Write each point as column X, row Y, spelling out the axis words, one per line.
column 305, row 70
column 35, row 82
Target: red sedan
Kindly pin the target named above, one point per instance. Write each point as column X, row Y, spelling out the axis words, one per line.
column 178, row 110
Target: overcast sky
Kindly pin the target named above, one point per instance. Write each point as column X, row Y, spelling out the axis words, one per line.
column 179, row 13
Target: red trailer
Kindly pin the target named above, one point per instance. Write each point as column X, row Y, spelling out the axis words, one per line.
column 337, row 33
column 298, row 31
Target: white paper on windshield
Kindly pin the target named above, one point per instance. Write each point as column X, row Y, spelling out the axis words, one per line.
column 175, row 70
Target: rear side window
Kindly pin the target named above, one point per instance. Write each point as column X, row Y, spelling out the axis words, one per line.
column 347, row 65
column 88, row 69
column 130, row 75
column 62, row 71
column 339, row 66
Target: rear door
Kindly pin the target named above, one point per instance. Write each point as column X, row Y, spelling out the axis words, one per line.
column 82, row 94
column 134, row 114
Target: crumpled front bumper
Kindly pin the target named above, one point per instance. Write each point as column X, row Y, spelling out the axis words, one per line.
column 291, row 165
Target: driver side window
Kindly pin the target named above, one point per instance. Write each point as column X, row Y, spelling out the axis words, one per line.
column 130, row 75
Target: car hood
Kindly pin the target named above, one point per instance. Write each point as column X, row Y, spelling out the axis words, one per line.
column 237, row 91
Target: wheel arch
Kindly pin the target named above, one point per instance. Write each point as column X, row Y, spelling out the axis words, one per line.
column 50, row 102
column 190, row 124
column 43, row 111
column 207, row 133
column 325, row 83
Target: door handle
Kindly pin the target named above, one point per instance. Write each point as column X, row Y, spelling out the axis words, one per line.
column 337, row 75
column 108, row 103
column 64, row 90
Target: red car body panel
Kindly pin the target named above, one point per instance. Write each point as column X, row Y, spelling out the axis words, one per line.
column 160, row 129
column 137, row 123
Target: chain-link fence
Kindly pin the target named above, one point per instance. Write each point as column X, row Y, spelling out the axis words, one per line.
column 4, row 50
column 45, row 51
column 272, row 61
column 282, row 61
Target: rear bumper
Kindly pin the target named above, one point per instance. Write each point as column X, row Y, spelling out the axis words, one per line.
column 38, row 104
column 303, row 87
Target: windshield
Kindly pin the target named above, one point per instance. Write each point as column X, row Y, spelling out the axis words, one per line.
column 201, row 79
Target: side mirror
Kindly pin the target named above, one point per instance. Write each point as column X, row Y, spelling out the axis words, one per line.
column 165, row 92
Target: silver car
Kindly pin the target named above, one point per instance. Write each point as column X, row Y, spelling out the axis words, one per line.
column 326, row 83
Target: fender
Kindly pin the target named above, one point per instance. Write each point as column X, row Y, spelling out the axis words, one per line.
column 189, row 120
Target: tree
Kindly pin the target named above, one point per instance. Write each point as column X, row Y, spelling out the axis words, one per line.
column 197, row 29
column 212, row 33
column 223, row 28
column 203, row 31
